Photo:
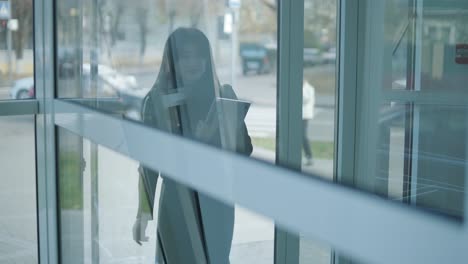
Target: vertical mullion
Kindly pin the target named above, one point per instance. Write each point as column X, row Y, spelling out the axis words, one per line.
column 345, row 135
column 41, row 189
column 45, row 135
column 465, row 201
column 289, row 110
column 347, row 91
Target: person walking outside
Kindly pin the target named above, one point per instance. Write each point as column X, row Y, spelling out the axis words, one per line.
column 308, row 105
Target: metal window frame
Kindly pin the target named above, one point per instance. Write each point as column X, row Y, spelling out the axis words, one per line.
column 45, row 131
column 42, row 108
column 346, row 98
column 348, row 32
column 289, row 110
column 19, row 107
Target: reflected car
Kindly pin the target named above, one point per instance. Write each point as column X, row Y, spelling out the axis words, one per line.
column 23, row 88
column 312, row 57
column 68, row 62
column 110, row 82
column 111, row 78
column 254, row 58
column 329, row 57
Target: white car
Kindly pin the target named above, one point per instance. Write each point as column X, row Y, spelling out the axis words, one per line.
column 109, row 82
column 23, row 88
column 116, row 81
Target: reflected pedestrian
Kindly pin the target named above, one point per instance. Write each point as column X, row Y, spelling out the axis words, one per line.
column 308, row 105
column 190, row 224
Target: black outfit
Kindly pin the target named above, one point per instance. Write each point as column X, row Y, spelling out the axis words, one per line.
column 305, row 140
column 215, row 220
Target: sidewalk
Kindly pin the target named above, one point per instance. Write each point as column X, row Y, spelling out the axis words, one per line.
column 321, row 167
column 326, row 101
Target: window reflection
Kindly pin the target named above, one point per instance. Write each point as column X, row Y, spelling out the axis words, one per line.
column 202, row 70
column 16, row 50
column 110, row 56
column 114, row 210
column 412, row 133
column 187, row 99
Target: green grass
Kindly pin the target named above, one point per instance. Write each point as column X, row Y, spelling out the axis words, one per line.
column 70, row 181
column 320, row 149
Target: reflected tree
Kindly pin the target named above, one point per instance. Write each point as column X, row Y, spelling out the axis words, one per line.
column 22, row 10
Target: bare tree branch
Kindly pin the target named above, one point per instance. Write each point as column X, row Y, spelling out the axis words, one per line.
column 270, row 5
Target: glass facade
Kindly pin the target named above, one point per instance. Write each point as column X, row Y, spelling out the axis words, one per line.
column 16, row 50
column 412, row 134
column 107, row 215
column 18, row 229
column 255, row 131
column 127, row 59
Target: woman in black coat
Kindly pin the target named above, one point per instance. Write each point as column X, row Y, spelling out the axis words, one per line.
column 192, row 227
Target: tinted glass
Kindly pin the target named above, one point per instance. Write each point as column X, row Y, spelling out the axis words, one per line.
column 16, row 50
column 318, row 105
column 411, row 144
column 113, row 209
column 18, row 218
column 201, row 69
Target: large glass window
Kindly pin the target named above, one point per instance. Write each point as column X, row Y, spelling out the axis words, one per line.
column 18, row 213
column 190, row 65
column 112, row 209
column 318, row 105
column 16, row 50
column 18, row 218
column 411, row 143
column 204, row 70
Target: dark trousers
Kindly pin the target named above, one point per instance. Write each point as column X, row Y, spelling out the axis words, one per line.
column 305, row 140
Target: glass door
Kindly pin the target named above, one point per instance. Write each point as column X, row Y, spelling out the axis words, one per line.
column 411, row 111
column 185, row 68
column 18, row 134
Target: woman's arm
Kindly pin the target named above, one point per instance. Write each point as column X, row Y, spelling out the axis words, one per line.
column 147, row 178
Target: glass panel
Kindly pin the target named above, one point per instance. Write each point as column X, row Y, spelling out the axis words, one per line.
column 443, row 64
column 107, row 202
column 18, row 218
column 16, row 50
column 420, row 156
column 212, row 79
column 319, row 86
column 312, row 251
column 411, row 144
column 318, row 105
column 400, row 31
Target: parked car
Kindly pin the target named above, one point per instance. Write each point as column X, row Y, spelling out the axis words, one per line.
column 329, row 57
column 312, row 57
column 255, row 58
column 110, row 78
column 23, row 88
column 110, row 82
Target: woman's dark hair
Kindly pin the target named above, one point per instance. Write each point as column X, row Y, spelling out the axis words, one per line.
column 169, row 76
